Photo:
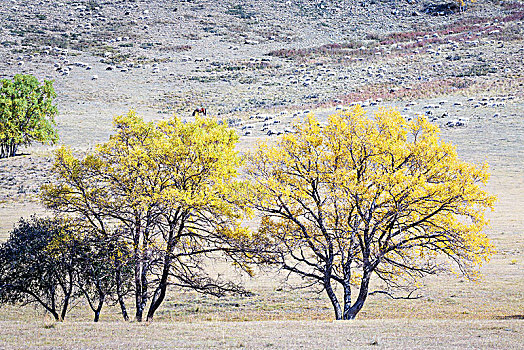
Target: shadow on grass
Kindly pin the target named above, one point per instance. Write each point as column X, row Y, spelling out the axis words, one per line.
column 511, row 317
column 18, row 155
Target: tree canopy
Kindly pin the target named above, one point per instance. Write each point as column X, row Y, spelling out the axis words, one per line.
column 169, row 189
column 26, row 113
column 52, row 262
column 362, row 197
column 33, row 270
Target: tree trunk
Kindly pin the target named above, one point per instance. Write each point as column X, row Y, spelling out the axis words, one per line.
column 159, row 296
column 333, row 298
column 140, row 274
column 50, row 308
column 362, row 295
column 99, row 308
column 12, row 151
column 143, row 279
column 67, row 291
column 138, row 291
column 8, row 150
column 123, row 308
column 160, row 292
column 139, row 312
column 347, row 297
column 64, row 307
column 67, row 297
column 141, row 293
column 55, row 315
column 119, row 291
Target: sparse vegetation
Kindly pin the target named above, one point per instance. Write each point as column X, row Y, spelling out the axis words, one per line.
column 240, row 12
column 478, row 70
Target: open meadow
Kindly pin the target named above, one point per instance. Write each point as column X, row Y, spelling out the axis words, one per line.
column 259, row 66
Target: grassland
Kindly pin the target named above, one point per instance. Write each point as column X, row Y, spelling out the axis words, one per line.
column 251, row 60
column 365, row 334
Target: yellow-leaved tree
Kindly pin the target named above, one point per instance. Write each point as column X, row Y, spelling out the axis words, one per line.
column 168, row 190
column 362, row 197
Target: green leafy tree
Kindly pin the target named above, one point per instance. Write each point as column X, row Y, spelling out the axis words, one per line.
column 26, row 113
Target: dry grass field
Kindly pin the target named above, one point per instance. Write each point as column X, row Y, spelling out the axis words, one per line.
column 249, row 62
column 361, row 334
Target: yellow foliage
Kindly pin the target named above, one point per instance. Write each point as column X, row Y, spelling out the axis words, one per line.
column 380, row 190
column 165, row 183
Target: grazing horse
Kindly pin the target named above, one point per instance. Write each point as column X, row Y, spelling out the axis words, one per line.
column 199, row 111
